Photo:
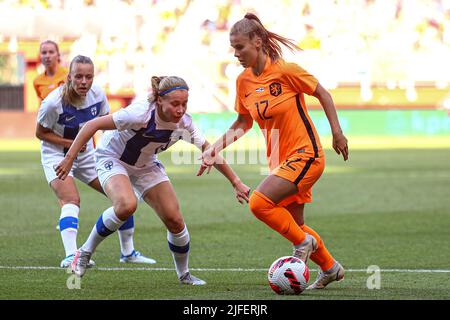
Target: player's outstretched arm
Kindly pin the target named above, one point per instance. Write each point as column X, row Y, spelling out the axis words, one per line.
column 85, row 134
column 240, row 126
column 241, row 190
column 340, row 144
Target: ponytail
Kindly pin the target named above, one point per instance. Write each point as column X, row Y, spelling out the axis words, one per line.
column 252, row 26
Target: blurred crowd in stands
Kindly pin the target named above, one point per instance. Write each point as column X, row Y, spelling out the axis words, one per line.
column 394, row 43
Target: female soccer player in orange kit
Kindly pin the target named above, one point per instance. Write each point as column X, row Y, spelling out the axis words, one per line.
column 54, row 74
column 271, row 92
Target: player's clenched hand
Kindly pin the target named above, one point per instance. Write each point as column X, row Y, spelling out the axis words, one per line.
column 340, row 145
column 208, row 159
column 241, row 191
column 63, row 168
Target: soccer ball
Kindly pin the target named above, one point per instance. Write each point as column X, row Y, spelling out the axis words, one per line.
column 288, row 275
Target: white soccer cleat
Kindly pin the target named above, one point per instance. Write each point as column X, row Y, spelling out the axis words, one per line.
column 187, row 278
column 81, row 262
column 67, row 261
column 336, row 273
column 136, row 257
column 304, row 249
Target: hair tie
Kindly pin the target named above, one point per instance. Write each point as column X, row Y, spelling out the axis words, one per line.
column 172, row 89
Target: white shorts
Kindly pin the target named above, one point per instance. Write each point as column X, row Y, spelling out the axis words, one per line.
column 142, row 179
column 83, row 170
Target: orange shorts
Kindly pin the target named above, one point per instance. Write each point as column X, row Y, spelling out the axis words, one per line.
column 304, row 172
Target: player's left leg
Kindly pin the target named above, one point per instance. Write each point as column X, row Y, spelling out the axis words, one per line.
column 128, row 253
column 264, row 205
column 163, row 200
column 120, row 191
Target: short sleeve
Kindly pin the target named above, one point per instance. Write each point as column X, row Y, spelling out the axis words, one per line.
column 299, row 79
column 135, row 116
column 35, row 85
column 47, row 114
column 195, row 136
column 238, row 105
column 105, row 106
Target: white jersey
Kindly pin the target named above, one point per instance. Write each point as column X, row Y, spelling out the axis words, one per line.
column 141, row 134
column 66, row 120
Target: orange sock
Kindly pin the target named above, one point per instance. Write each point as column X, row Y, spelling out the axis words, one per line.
column 276, row 217
column 321, row 256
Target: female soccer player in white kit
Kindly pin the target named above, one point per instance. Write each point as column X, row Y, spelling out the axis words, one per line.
column 126, row 159
column 60, row 117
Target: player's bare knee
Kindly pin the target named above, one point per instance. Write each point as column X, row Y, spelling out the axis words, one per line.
column 175, row 224
column 124, row 209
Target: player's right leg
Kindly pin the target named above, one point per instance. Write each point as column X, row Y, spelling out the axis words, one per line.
column 330, row 269
column 128, row 254
column 119, row 190
column 264, row 205
column 69, row 199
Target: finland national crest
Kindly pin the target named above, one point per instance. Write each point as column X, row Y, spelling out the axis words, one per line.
column 109, row 165
column 94, row 111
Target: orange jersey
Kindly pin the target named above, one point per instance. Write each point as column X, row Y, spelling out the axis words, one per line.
column 275, row 100
column 44, row 84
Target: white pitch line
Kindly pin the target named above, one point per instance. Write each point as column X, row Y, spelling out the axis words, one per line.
column 221, row 269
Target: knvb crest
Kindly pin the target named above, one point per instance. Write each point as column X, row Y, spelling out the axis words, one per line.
column 275, row 89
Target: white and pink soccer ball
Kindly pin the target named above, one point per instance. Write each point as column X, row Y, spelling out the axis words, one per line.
column 288, row 275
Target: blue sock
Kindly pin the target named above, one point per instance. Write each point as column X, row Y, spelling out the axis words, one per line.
column 68, row 227
column 106, row 224
column 126, row 232
column 179, row 246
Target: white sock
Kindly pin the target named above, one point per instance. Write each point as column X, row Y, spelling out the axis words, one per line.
column 68, row 227
column 126, row 232
column 179, row 246
column 106, row 224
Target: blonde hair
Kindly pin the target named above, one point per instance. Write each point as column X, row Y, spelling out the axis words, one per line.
column 251, row 26
column 163, row 85
column 54, row 44
column 68, row 94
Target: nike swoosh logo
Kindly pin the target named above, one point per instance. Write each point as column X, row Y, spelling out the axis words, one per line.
column 70, row 118
column 247, row 94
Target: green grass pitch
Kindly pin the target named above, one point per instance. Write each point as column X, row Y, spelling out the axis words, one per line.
column 385, row 207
